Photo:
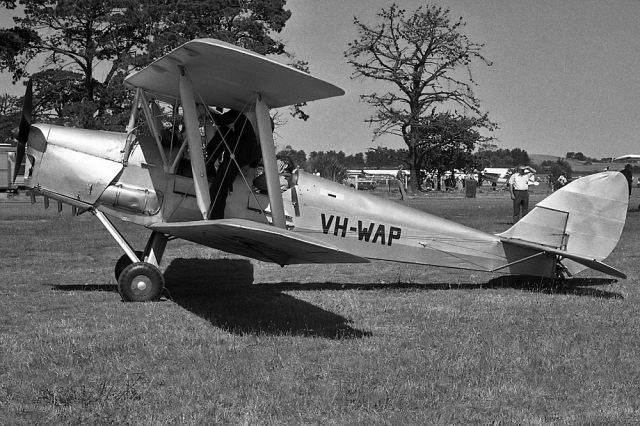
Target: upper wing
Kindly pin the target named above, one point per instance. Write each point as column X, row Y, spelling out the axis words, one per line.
column 258, row 241
column 228, row 76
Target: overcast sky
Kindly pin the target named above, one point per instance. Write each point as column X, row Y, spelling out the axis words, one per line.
column 564, row 75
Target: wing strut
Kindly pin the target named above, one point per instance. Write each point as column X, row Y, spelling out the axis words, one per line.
column 270, row 166
column 198, row 168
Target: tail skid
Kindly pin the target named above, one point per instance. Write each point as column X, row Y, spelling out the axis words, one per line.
column 576, row 227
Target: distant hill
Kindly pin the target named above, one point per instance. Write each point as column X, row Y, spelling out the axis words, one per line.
column 539, row 158
column 578, row 167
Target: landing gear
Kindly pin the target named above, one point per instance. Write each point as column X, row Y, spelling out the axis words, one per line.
column 138, row 273
column 140, row 282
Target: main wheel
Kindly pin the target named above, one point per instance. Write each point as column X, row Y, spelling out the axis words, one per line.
column 123, row 262
column 140, row 282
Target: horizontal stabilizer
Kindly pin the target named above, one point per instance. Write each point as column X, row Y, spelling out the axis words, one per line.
column 586, row 261
column 258, row 241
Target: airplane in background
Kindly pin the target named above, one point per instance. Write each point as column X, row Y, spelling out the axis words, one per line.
column 169, row 179
column 497, row 175
column 628, row 157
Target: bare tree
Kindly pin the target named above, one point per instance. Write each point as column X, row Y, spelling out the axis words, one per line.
column 425, row 60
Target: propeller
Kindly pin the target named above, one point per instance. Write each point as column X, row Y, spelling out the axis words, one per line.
column 23, row 132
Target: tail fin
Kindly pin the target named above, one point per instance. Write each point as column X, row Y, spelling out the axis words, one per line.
column 583, row 220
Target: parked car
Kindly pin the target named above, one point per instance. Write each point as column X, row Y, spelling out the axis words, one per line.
column 363, row 182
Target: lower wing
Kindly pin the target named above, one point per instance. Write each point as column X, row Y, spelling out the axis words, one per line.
column 258, row 241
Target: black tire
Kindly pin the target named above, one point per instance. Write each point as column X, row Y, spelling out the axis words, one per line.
column 140, row 282
column 123, row 262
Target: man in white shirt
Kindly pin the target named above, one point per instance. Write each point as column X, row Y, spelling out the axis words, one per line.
column 519, row 188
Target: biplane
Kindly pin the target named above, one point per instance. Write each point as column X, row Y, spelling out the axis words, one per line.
column 169, row 179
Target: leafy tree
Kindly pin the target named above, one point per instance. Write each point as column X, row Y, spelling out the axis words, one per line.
column 9, row 116
column 447, row 142
column 555, row 168
column 386, row 158
column 355, row 161
column 580, row 156
column 299, row 158
column 520, row 156
column 76, row 38
column 330, row 164
column 501, row 158
column 419, row 56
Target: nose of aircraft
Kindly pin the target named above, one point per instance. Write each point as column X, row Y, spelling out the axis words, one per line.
column 25, row 124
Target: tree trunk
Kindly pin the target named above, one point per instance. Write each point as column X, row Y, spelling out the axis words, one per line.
column 414, row 169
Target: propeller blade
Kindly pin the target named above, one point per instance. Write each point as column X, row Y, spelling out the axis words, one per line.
column 25, row 124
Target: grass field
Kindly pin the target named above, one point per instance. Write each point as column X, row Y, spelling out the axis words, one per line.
column 238, row 341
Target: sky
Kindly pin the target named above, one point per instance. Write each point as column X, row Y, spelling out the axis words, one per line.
column 564, row 74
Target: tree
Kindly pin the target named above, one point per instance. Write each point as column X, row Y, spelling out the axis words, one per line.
column 355, row 161
column 76, row 38
column 447, row 142
column 299, row 157
column 330, row 164
column 419, row 56
column 9, row 116
column 555, row 168
column 501, row 158
column 386, row 158
column 580, row 156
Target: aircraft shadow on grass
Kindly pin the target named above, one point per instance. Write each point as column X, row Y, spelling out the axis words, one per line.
column 222, row 292
column 574, row 286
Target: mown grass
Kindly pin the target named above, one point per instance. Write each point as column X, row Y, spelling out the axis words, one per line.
column 244, row 342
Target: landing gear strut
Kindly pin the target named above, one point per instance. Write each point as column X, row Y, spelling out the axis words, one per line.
column 138, row 273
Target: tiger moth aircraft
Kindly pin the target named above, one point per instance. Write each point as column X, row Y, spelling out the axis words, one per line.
column 175, row 183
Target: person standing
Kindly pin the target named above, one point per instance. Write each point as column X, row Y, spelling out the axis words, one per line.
column 562, row 181
column 629, row 175
column 519, row 188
